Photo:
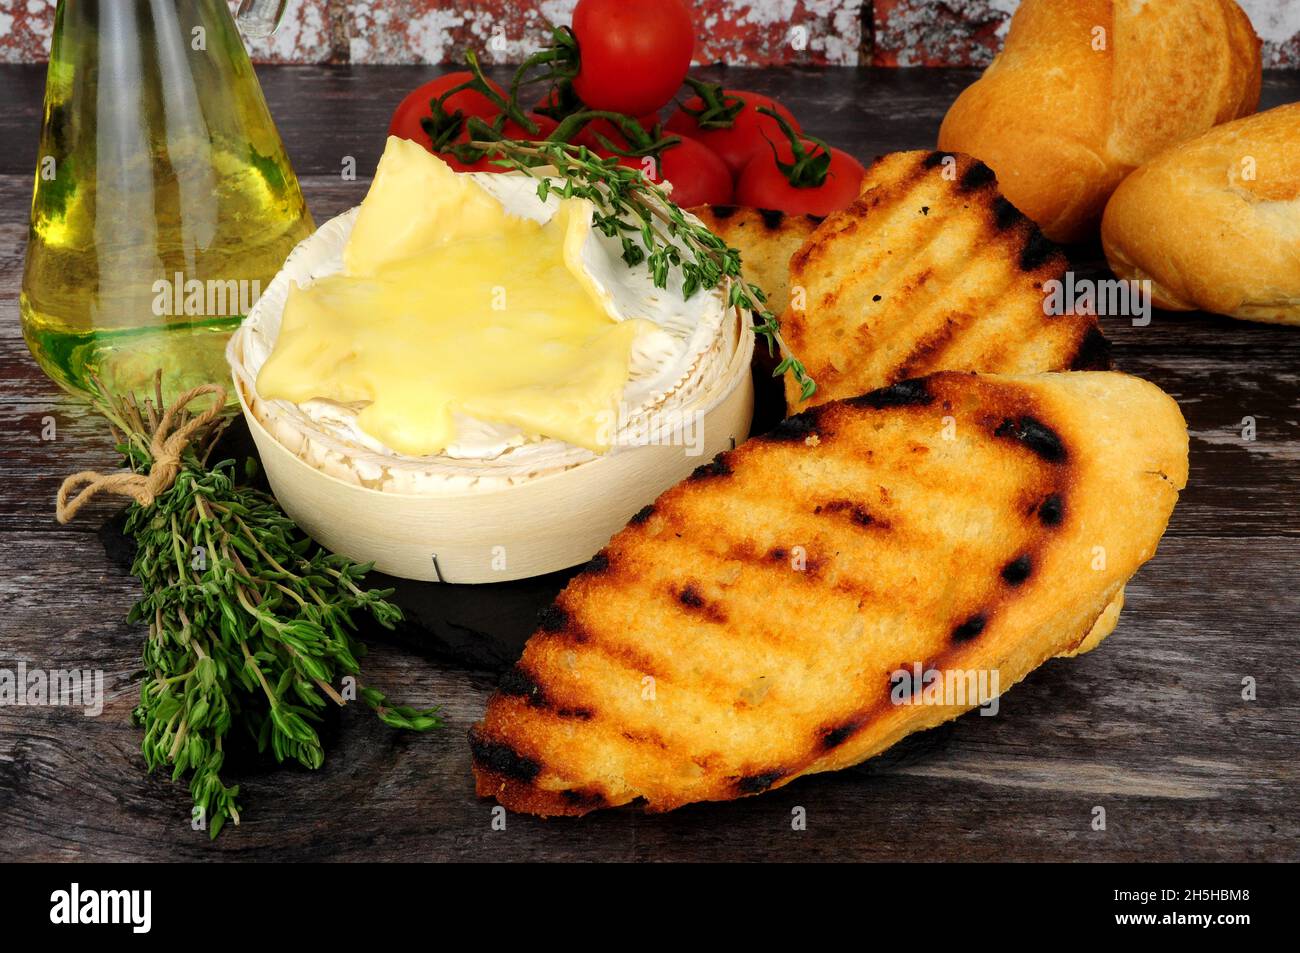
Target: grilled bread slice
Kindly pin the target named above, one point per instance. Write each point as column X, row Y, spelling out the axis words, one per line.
column 745, row 629
column 765, row 240
column 930, row 269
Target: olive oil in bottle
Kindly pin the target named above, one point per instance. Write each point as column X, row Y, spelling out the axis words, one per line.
column 164, row 200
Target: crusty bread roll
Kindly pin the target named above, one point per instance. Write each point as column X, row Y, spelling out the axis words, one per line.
column 1215, row 223
column 1084, row 91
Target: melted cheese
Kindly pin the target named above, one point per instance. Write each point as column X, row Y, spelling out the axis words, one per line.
column 448, row 305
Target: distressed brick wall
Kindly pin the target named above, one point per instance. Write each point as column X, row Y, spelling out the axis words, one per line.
column 731, row 31
column 969, row 32
column 740, row 32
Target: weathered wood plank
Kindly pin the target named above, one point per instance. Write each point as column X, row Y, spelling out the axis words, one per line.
column 1151, row 726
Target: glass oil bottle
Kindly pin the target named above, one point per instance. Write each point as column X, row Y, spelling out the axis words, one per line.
column 164, row 199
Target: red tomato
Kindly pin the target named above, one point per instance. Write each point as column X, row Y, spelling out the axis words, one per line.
column 747, row 135
column 633, row 54
column 764, row 185
column 405, row 123
column 510, row 130
column 698, row 176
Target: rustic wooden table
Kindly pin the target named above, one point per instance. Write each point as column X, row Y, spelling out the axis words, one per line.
column 1152, row 727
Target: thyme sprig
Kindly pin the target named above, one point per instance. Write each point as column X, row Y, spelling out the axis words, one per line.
column 250, row 623
column 651, row 230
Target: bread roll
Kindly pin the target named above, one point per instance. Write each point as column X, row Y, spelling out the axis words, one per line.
column 1084, row 91
column 1215, row 223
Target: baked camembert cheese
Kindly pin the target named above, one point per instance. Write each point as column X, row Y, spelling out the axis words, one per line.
column 454, row 305
column 463, row 334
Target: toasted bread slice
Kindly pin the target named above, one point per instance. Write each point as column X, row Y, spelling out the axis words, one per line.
column 930, row 269
column 745, row 629
column 765, row 240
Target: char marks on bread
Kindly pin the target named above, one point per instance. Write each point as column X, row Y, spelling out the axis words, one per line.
column 932, row 268
column 745, row 628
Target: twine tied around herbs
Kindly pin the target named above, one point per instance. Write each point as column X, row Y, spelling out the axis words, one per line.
column 166, row 450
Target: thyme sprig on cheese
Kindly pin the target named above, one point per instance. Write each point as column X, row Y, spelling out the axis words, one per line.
column 652, row 230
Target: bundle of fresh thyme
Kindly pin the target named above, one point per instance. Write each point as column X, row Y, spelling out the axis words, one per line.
column 250, row 623
column 652, row 229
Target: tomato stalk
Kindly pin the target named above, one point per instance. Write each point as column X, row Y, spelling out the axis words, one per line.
column 478, row 130
column 563, row 101
column 809, row 169
column 718, row 109
column 639, row 141
column 441, row 126
column 444, row 128
column 560, row 60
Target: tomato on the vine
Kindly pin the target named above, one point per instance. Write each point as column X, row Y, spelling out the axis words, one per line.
column 764, row 184
column 729, row 123
column 406, row 121
column 632, row 54
column 800, row 175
